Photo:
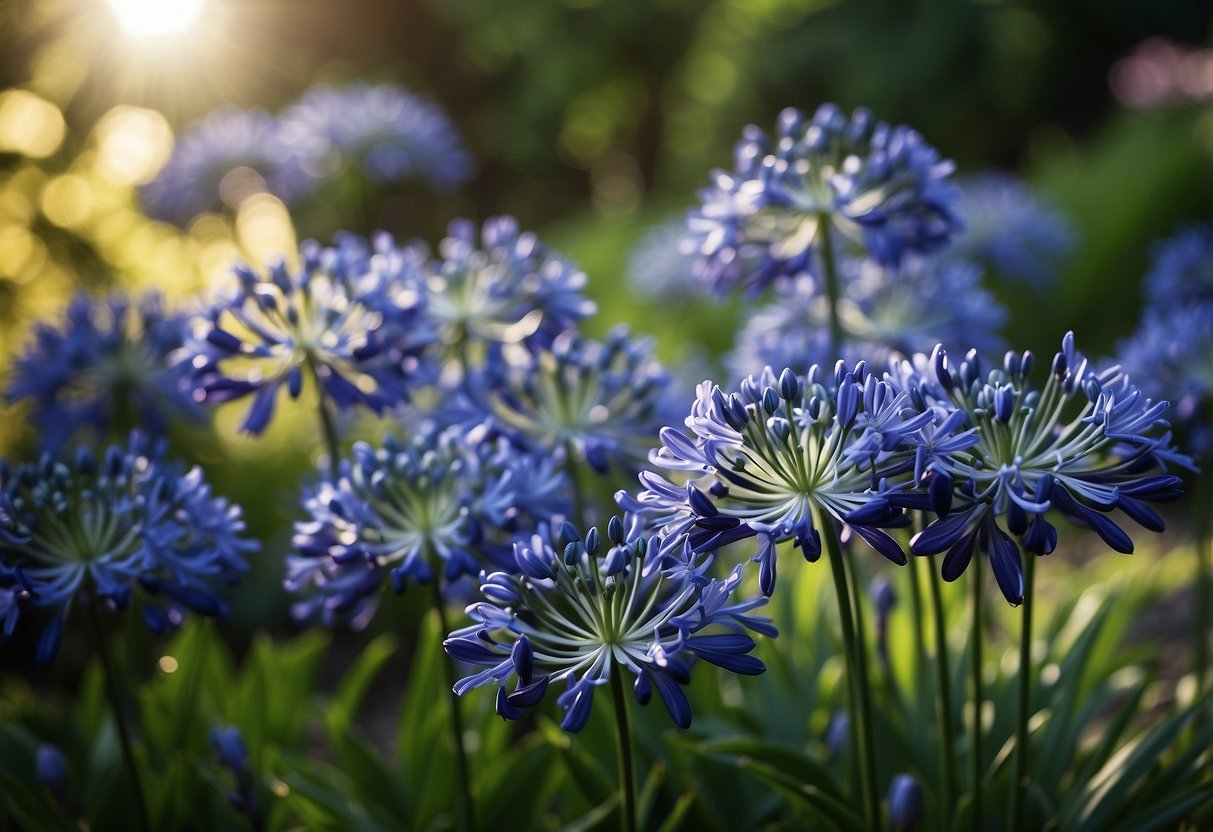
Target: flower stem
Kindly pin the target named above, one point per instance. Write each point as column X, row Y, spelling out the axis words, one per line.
column 466, row 813
column 1025, row 690
column 627, row 775
column 860, row 718
column 327, row 426
column 1204, row 584
column 975, row 655
column 579, row 504
column 114, row 691
column 943, row 680
column 920, row 637
column 829, row 269
column 865, row 690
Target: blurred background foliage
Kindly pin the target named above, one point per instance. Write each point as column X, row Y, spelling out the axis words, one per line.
column 592, row 122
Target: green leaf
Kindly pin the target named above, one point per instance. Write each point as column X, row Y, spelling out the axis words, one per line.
column 673, row 821
column 598, row 816
column 358, row 679
column 1164, row 814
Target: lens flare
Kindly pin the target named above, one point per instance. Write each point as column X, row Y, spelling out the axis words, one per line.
column 146, row 18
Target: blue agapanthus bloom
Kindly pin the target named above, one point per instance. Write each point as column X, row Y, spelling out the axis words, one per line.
column 105, row 368
column 391, row 134
column 883, row 311
column 438, row 505
column 1083, row 445
column 883, row 188
column 1182, row 270
column 601, row 401
column 502, row 286
column 129, row 525
column 780, row 456
column 1009, row 230
column 349, row 317
column 232, row 753
column 221, row 159
column 579, row 611
column 1169, row 357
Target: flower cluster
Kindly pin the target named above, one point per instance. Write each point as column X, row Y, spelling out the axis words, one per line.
column 509, row 288
column 881, row 187
column 883, row 310
column 1009, row 230
column 598, row 608
column 445, row 503
column 129, row 524
column 348, row 317
column 601, row 401
column 1083, row 445
column 781, row 457
column 390, row 134
column 106, row 368
column 386, row 133
column 1169, row 354
column 219, row 161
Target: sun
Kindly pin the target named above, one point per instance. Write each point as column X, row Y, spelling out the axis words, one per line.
column 147, row 18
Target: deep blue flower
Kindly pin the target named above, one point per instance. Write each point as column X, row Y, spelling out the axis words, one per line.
column 762, row 461
column 349, row 317
column 581, row 610
column 391, row 134
column 1169, row 357
column 602, row 401
column 905, row 803
column 503, row 287
column 127, row 526
column 436, row 505
column 229, row 747
column 883, row 188
column 1083, row 445
column 1182, row 270
column 222, row 159
column 105, row 368
column 884, row 600
column 1010, row 231
column 884, row 310
column 51, row 766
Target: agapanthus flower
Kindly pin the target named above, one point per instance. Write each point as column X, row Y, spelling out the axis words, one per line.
column 505, row 287
column 905, row 803
column 437, row 505
column 105, row 368
column 50, row 765
column 763, row 461
column 579, row 611
column 1083, row 445
column 349, row 317
column 601, row 401
column 128, row 526
column 391, row 134
column 1182, row 270
column 222, row 159
column 1171, row 357
column 658, row 266
column 1010, row 230
column 883, row 188
column 883, row 311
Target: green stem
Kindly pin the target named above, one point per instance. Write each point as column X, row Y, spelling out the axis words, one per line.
column 466, row 812
column 1204, row 585
column 920, row 637
column 975, row 752
column 1025, row 691
column 943, row 681
column 829, row 269
column 863, row 683
column 115, row 698
column 327, row 426
column 627, row 774
column 579, row 505
column 859, row 718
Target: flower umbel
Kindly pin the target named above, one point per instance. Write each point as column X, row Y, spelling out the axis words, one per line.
column 106, row 369
column 347, row 316
column 1086, row 443
column 127, row 525
column 438, row 504
column 884, row 188
column 764, row 460
column 596, row 609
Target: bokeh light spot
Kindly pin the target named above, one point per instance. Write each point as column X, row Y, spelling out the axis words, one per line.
column 29, row 125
